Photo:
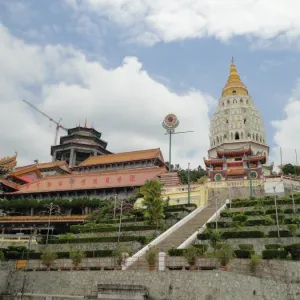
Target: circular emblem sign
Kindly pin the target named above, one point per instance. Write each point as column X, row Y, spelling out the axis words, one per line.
column 170, row 121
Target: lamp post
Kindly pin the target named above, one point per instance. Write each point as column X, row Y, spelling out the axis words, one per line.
column 189, row 185
column 292, row 194
column 115, row 206
column 216, row 200
column 26, row 267
column 120, row 222
column 51, row 209
column 277, row 223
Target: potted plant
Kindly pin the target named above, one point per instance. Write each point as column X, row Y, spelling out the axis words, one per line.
column 190, row 254
column 151, row 257
column 120, row 254
column 77, row 257
column 48, row 257
column 224, row 255
column 254, row 262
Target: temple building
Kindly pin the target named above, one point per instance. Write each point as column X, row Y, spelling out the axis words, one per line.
column 78, row 145
column 238, row 148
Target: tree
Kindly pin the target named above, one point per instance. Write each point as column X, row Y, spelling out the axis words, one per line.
column 288, row 169
column 48, row 257
column 153, row 202
column 77, row 256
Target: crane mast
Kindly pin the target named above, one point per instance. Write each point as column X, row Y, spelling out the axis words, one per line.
column 57, row 123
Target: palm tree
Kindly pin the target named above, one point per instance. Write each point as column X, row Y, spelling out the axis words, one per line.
column 153, row 202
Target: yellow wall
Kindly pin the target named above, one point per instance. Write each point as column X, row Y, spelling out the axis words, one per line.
column 179, row 195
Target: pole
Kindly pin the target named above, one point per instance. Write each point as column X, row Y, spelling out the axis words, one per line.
column 189, row 185
column 292, row 194
column 216, row 200
column 251, row 189
column 277, row 223
column 170, row 150
column 296, row 162
column 50, row 212
column 120, row 223
column 229, row 196
column 281, row 159
column 26, row 267
column 115, row 206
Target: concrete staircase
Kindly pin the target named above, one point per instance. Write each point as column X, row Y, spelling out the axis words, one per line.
column 177, row 237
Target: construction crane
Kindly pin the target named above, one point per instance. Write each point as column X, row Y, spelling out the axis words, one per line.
column 58, row 125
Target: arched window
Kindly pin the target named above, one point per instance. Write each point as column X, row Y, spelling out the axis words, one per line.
column 217, row 140
column 242, row 135
column 241, row 101
column 234, row 101
column 256, row 137
column 247, row 101
column 253, row 137
column 245, row 121
column 228, row 102
column 231, row 136
column 260, row 138
column 233, row 92
column 224, row 137
column 222, row 103
column 214, row 142
column 237, row 136
column 220, row 139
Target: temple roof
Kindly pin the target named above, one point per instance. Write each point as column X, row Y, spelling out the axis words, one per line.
column 8, row 163
column 234, row 152
column 234, row 83
column 85, row 181
column 9, row 184
column 122, row 157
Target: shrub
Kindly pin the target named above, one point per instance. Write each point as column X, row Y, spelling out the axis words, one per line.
column 289, row 211
column 264, row 221
column 100, row 239
column 48, row 257
column 273, row 211
column 274, row 254
column 281, row 218
column 282, row 233
column 246, row 247
column 242, row 253
column 254, row 262
column 293, row 229
column 273, row 246
column 239, row 218
column 203, row 236
column 242, row 234
column 225, row 254
column 254, row 213
column 294, row 250
column 1, row 256
column 190, row 254
column 226, row 214
column 77, row 257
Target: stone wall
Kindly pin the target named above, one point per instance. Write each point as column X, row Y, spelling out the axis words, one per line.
column 258, row 243
column 135, row 246
column 171, row 285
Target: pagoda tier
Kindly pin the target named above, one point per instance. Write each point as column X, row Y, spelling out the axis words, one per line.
column 235, row 152
column 8, row 163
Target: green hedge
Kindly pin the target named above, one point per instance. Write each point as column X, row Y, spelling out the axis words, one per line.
column 239, row 218
column 249, row 203
column 294, row 250
column 273, row 211
column 282, row 233
column 242, row 234
column 101, row 228
column 273, row 246
column 201, row 249
column 274, row 254
column 203, row 236
column 100, row 239
column 246, row 247
column 254, row 213
column 241, row 253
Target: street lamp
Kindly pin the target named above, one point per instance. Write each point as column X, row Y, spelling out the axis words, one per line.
column 189, row 185
column 51, row 209
column 120, row 222
column 115, row 206
column 277, row 223
column 292, row 194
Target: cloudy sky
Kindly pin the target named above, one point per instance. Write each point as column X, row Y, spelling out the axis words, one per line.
column 125, row 64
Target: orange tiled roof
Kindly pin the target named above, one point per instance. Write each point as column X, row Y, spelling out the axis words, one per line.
column 99, row 180
column 25, row 170
column 9, row 162
column 123, row 157
column 10, row 184
column 47, row 165
column 42, row 219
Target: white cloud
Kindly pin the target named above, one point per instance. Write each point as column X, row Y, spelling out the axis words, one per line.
column 287, row 131
column 151, row 21
column 124, row 103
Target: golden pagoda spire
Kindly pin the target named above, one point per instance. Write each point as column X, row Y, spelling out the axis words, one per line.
column 234, row 84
